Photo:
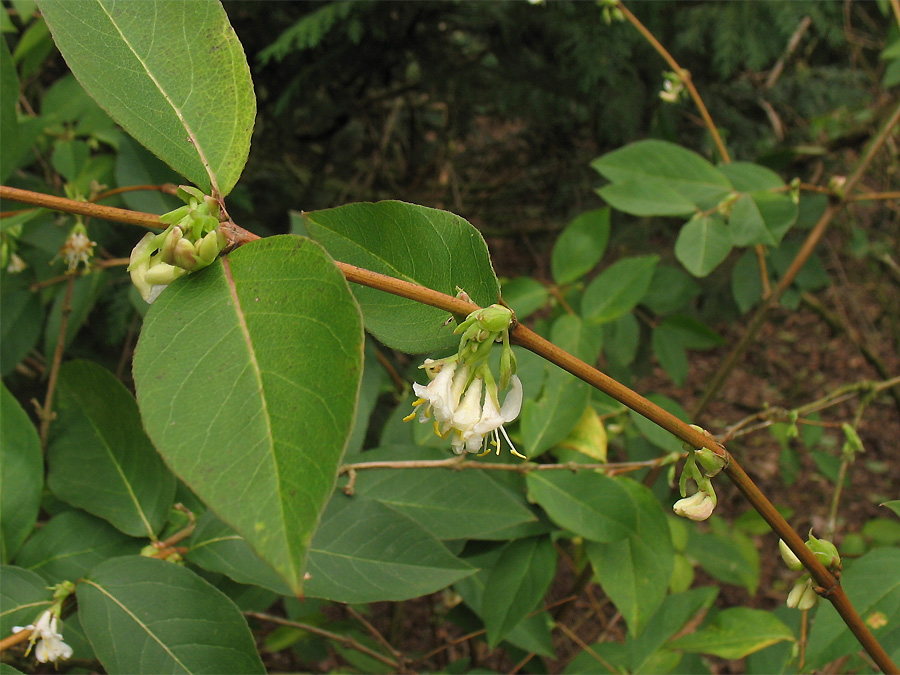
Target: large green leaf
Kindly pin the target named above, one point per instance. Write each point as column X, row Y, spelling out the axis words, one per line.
column 635, row 572
column 216, row 547
column 589, row 504
column 660, row 178
column 761, row 218
column 516, row 585
column 703, row 243
column 734, row 633
column 872, row 584
column 100, row 459
column 618, row 289
column 148, row 616
column 365, row 551
column 448, row 504
column 580, row 246
column 22, row 478
column 172, row 73
column 531, row 633
column 72, row 543
column 23, row 596
column 247, row 375
column 425, row 246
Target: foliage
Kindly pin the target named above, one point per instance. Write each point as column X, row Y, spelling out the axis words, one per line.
column 239, row 476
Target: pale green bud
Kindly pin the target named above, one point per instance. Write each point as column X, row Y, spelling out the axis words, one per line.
column 162, row 274
column 185, row 256
column 825, row 551
column 208, row 248
column 173, row 217
column 494, row 318
column 188, row 192
column 789, row 557
column 167, row 250
column 699, row 506
column 711, row 462
column 802, row 595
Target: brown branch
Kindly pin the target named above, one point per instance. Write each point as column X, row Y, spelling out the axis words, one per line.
column 45, row 412
column 802, row 256
column 148, row 220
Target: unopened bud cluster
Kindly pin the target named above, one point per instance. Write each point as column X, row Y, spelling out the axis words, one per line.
column 191, row 241
column 701, row 466
column 803, row 595
column 463, row 397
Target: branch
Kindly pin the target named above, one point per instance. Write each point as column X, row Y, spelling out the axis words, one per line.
column 148, row 220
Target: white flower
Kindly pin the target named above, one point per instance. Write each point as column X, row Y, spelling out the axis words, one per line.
column 50, row 645
column 493, row 418
column 16, row 264
column 698, row 506
column 77, row 249
column 441, row 394
column 466, row 416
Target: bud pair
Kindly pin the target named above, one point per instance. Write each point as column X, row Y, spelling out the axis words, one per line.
column 802, row 595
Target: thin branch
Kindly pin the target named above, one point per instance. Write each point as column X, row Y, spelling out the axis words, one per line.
column 460, row 464
column 45, row 411
column 685, row 76
column 321, row 632
column 148, row 220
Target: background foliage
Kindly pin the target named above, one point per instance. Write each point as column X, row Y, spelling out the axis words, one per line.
column 512, row 116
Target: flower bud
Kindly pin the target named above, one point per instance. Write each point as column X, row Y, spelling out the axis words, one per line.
column 802, row 595
column 825, row 551
column 167, row 250
column 162, row 274
column 175, row 216
column 208, row 248
column 711, row 462
column 789, row 557
column 494, row 318
column 185, row 256
column 699, row 506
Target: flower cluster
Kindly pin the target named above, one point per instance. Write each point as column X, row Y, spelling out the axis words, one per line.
column 44, row 632
column 463, row 398
column 78, row 248
column 701, row 466
column 804, row 595
column 191, row 242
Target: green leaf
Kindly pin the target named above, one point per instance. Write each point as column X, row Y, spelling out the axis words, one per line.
column 548, row 419
column 726, row 555
column 580, row 246
column 137, row 166
column 675, row 611
column 22, row 478
column 425, row 246
column 646, row 197
column 872, row 584
column 589, row 504
column 23, row 596
column 525, row 296
column 735, row 633
column 99, row 457
column 635, row 572
column 148, row 616
column 663, row 174
column 618, row 289
column 516, row 585
column 655, row 433
column 893, row 505
column 673, row 336
column 761, row 218
column 85, row 292
column 365, row 551
column 71, row 544
column 621, row 338
column 252, row 404
column 216, row 547
column 189, row 95
column 703, row 243
column 448, row 504
column 532, row 633
column 22, row 322
column 749, row 177
column 670, row 290
column 746, row 284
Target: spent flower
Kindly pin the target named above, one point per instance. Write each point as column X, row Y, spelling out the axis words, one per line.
column 78, row 248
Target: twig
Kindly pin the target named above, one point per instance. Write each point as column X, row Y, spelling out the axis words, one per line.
column 790, row 274
column 377, row 635
column 460, row 463
column 343, row 640
column 46, row 411
column 148, row 220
